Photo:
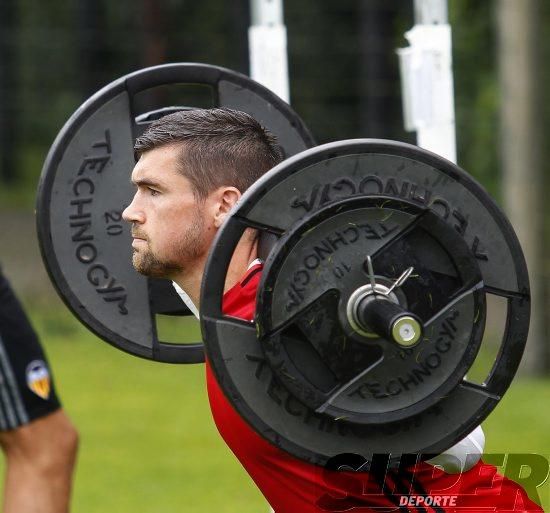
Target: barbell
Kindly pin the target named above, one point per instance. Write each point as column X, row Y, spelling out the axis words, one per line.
column 372, row 304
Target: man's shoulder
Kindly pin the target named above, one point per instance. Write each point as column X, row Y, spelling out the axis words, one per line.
column 240, row 300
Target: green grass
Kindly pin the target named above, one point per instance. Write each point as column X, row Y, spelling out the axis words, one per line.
column 149, row 445
column 521, row 424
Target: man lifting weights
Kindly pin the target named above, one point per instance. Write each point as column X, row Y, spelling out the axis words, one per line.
column 193, row 167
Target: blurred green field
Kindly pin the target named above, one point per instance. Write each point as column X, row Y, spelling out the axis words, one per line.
column 149, row 445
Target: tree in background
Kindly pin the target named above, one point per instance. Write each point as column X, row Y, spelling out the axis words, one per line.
column 521, row 152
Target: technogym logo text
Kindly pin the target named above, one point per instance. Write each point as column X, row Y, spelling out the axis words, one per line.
column 497, row 482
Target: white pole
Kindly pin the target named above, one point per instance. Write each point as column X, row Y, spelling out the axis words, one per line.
column 267, row 46
column 427, row 79
column 428, row 106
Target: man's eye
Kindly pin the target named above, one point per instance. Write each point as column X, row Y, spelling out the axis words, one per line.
column 153, row 192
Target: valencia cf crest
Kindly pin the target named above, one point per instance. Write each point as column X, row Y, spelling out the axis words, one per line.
column 38, row 378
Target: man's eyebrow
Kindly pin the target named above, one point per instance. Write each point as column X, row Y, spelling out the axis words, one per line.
column 147, row 182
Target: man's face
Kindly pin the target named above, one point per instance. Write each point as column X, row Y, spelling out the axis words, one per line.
column 168, row 225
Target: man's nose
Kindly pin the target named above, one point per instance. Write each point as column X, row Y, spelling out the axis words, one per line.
column 132, row 213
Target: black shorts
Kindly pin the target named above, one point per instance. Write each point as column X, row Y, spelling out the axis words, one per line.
column 26, row 385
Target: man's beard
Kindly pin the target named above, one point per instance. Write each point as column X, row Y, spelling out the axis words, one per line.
column 184, row 252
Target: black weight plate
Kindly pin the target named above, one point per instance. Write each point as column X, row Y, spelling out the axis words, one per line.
column 85, row 186
column 376, row 381
column 337, row 173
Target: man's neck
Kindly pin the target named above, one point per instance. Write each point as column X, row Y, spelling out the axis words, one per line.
column 190, row 282
column 245, row 253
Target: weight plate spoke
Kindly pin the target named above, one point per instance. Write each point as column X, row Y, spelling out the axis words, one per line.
column 242, row 335
column 271, row 228
column 450, row 307
column 347, row 388
column 478, row 390
column 506, row 293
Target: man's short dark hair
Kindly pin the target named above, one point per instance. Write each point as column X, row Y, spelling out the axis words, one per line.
column 218, row 147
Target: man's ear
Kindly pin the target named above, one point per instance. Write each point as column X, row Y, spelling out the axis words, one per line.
column 226, row 197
